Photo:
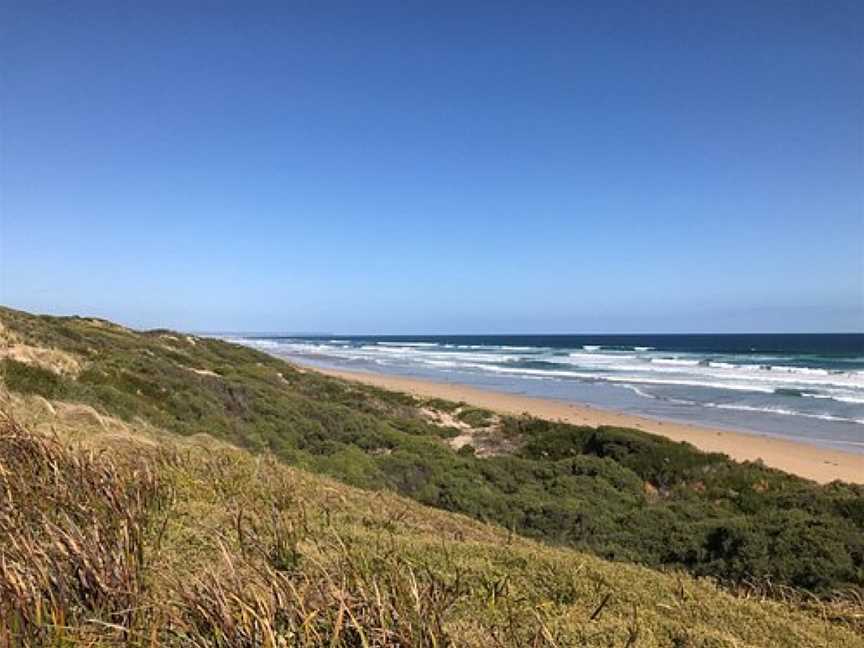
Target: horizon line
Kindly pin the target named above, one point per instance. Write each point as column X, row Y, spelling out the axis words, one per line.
column 407, row 335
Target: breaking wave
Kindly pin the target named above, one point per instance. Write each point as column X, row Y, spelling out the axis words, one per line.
column 808, row 386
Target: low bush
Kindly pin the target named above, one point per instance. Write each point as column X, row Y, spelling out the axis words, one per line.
column 475, row 416
column 31, row 379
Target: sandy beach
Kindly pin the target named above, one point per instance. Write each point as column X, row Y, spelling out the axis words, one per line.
column 812, row 462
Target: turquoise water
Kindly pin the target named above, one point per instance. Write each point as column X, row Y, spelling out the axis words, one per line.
column 804, row 387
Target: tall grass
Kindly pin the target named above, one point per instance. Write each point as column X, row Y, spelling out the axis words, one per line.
column 79, row 531
column 73, row 530
column 254, row 604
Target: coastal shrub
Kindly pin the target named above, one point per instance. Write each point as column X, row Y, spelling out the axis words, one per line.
column 653, row 458
column 442, row 405
column 111, row 542
column 475, row 416
column 620, row 493
column 31, row 379
column 350, row 465
column 810, row 552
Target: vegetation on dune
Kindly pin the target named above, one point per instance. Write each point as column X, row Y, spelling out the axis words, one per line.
column 475, row 416
column 143, row 541
column 620, row 494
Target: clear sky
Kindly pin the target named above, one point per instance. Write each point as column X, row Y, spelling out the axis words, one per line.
column 435, row 167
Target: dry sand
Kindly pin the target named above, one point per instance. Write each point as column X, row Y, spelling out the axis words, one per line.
column 819, row 464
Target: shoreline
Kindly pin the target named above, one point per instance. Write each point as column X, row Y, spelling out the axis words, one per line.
column 822, row 465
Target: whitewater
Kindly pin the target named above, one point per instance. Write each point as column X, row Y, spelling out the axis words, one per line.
column 807, row 387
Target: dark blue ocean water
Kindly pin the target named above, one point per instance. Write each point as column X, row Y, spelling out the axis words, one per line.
column 802, row 386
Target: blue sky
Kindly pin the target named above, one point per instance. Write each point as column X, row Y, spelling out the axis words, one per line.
column 433, row 167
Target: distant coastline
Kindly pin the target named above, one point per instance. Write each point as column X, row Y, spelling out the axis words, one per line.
column 802, row 387
column 822, row 465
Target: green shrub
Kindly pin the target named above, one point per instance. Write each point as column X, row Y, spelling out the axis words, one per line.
column 442, row 405
column 30, row 379
column 475, row 417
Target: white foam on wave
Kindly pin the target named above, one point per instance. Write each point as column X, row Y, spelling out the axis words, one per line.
column 678, row 362
column 520, row 348
column 304, row 347
column 256, row 343
column 373, row 349
column 784, row 412
column 599, row 357
column 807, row 371
column 684, row 382
column 637, row 391
column 786, row 377
column 487, row 359
column 518, row 371
column 421, row 355
column 445, row 363
column 722, row 365
column 495, row 347
column 842, row 398
column 595, row 363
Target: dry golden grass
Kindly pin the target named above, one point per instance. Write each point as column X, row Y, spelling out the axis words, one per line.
column 72, row 536
column 55, row 360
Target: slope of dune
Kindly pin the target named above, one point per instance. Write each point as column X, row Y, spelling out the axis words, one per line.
column 175, row 489
column 193, row 542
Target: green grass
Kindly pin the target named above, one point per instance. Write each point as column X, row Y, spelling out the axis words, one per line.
column 616, row 493
column 30, row 379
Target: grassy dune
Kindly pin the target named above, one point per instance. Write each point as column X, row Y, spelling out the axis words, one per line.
column 112, row 533
column 164, row 489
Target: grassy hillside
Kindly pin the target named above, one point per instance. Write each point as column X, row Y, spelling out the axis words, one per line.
column 121, row 533
column 619, row 494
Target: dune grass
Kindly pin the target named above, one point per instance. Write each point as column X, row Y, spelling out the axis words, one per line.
column 146, row 541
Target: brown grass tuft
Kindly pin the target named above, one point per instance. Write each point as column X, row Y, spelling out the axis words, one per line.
column 73, row 527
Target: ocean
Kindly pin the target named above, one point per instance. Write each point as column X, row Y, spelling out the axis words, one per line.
column 805, row 387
